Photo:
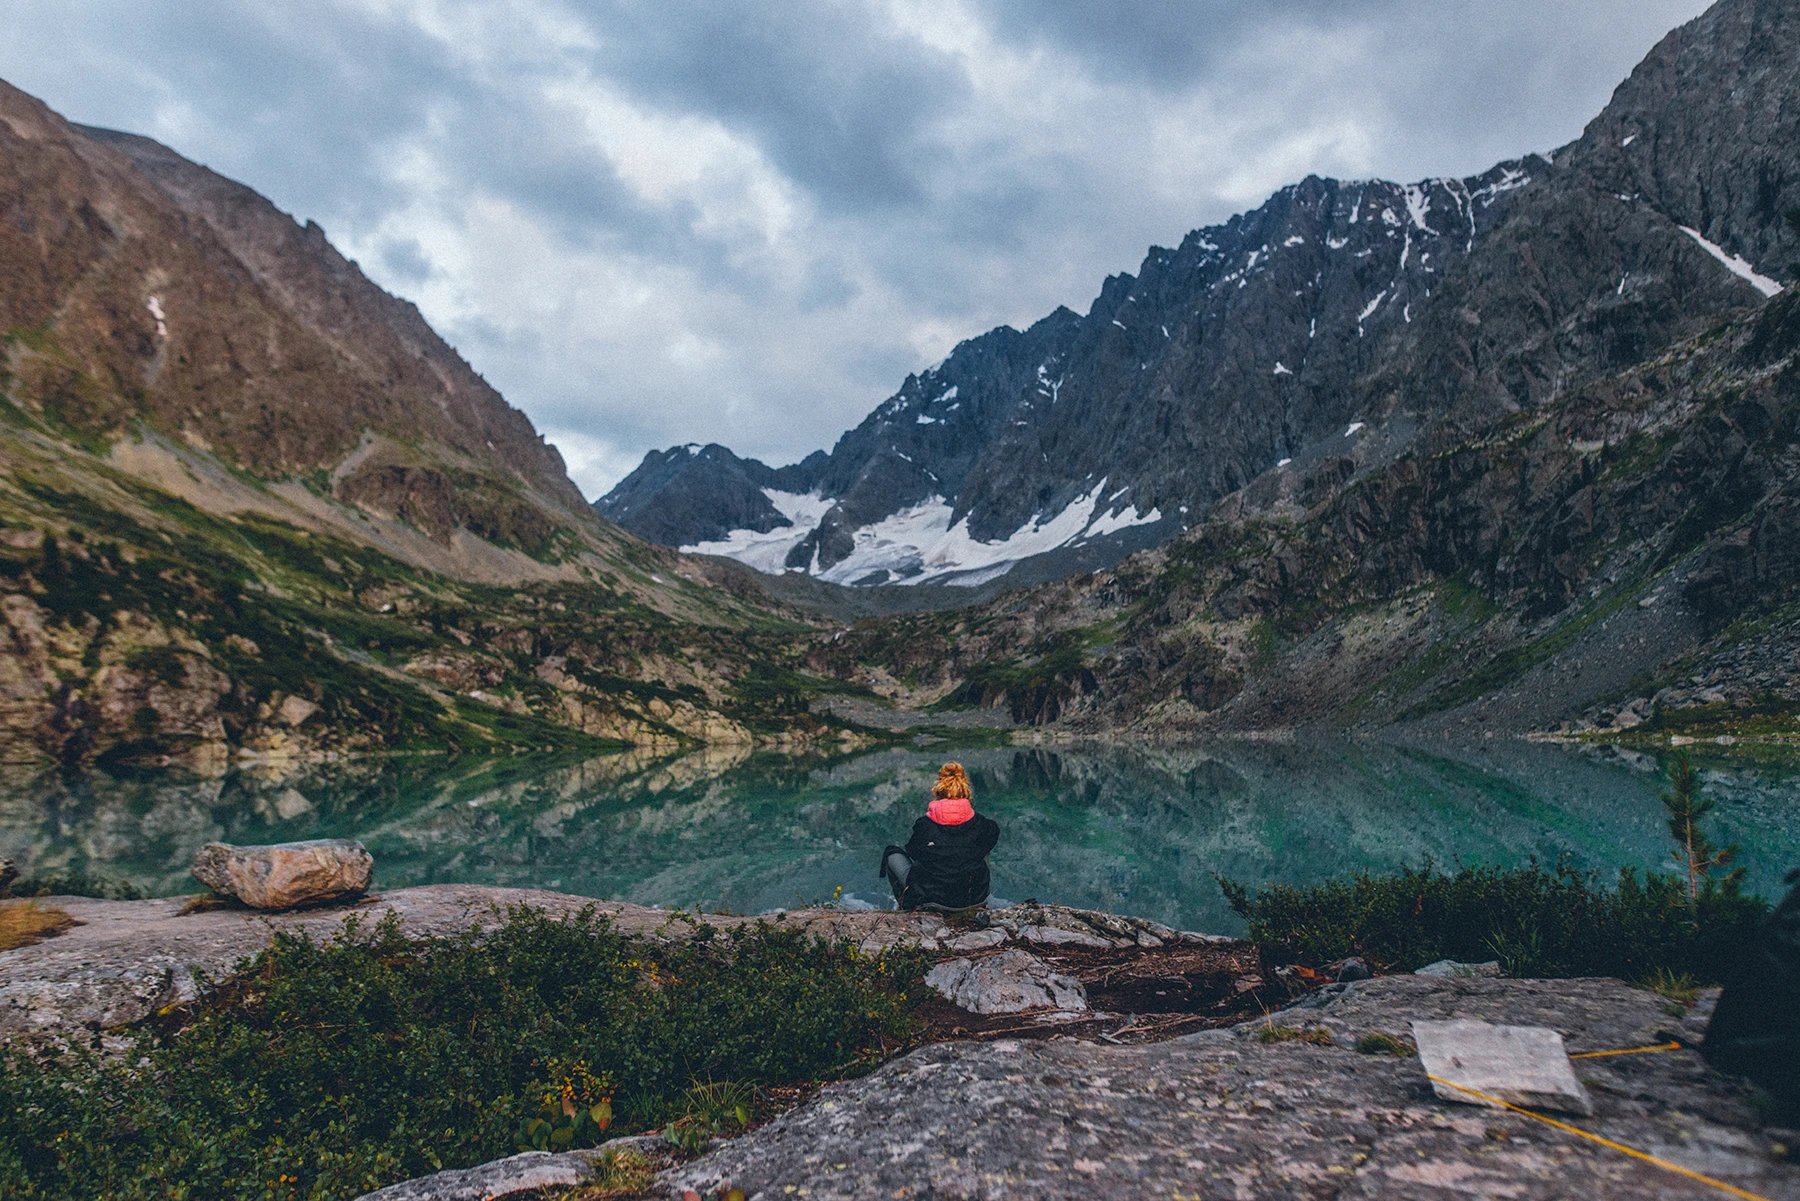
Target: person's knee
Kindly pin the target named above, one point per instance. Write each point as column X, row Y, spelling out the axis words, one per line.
column 899, row 867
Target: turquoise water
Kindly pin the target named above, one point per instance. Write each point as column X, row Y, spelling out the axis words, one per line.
column 1134, row 830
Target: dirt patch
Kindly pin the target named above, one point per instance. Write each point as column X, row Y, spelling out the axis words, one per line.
column 25, row 922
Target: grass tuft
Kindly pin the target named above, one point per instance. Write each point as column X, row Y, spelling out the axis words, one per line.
column 25, row 922
column 1379, row 1042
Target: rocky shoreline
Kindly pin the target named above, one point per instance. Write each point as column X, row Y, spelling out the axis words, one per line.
column 125, row 961
column 1073, row 1054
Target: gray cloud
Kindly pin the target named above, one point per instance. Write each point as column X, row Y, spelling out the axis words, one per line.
column 744, row 222
column 841, row 102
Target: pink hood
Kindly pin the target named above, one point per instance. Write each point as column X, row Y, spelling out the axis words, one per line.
column 950, row 811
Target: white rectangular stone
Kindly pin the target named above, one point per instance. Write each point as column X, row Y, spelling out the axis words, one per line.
column 1521, row 1065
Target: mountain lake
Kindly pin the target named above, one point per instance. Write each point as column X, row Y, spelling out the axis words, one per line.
column 1134, row 830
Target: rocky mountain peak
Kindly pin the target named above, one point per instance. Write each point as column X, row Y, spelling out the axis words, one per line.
column 1335, row 324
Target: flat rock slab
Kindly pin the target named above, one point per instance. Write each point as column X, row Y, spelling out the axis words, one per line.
column 286, row 875
column 1224, row 1115
column 1478, row 1063
column 1011, row 981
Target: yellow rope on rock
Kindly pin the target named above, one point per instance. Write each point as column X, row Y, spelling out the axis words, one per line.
column 1578, row 1132
column 1668, row 1046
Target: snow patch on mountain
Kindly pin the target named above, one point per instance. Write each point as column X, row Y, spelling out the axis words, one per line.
column 1736, row 264
column 767, row 552
column 921, row 543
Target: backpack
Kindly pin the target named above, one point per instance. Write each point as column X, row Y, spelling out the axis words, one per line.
column 1755, row 1031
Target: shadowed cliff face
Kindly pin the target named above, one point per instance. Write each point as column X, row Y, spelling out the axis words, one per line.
column 1339, row 319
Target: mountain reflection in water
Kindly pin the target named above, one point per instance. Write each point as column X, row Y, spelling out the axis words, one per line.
column 1138, row 830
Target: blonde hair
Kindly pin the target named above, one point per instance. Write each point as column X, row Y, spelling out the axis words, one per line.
column 952, row 781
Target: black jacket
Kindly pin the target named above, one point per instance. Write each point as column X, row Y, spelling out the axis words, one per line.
column 949, row 862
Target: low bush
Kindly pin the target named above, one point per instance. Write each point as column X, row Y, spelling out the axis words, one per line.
column 322, row 1070
column 1538, row 921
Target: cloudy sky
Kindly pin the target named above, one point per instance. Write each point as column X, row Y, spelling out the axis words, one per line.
column 655, row 221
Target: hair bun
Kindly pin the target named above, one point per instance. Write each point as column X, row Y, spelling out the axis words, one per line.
column 952, row 781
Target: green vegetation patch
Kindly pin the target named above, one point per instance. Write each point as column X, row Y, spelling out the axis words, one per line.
column 1312, row 1036
column 323, row 1070
column 1380, row 1042
column 1053, row 666
column 1536, row 920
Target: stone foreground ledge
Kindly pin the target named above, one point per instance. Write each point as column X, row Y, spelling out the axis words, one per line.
column 1223, row 1114
column 129, row 959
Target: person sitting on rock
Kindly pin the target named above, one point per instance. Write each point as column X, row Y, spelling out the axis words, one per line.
column 943, row 866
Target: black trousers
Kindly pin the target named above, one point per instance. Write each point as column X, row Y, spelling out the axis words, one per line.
column 897, row 869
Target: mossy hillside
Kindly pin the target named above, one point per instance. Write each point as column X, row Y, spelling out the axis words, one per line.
column 286, row 611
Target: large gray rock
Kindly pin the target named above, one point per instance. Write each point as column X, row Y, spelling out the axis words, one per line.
column 286, row 875
column 1225, row 1115
column 1009, row 982
column 1476, row 1063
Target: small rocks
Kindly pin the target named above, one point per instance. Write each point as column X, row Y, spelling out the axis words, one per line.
column 1051, row 936
column 1353, row 969
column 1450, row 969
column 1474, row 1063
column 286, row 875
column 1010, row 982
column 976, row 940
column 294, row 710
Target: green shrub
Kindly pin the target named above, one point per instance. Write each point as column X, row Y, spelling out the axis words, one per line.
column 1537, row 921
column 322, row 1070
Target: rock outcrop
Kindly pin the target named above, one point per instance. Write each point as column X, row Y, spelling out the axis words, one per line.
column 1227, row 1113
column 286, row 875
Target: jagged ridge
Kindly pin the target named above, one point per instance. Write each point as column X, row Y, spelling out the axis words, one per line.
column 1336, row 320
